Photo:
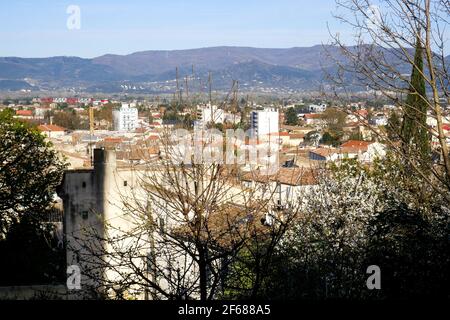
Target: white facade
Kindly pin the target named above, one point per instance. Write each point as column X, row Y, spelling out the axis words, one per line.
column 379, row 120
column 96, row 207
column 374, row 150
column 126, row 118
column 317, row 108
column 209, row 113
column 52, row 131
column 264, row 121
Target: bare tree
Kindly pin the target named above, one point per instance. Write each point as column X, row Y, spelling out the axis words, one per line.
column 182, row 223
column 381, row 62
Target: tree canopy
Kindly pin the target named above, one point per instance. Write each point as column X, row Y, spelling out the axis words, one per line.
column 30, row 171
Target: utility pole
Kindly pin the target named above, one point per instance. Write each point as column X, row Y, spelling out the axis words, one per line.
column 178, row 93
column 187, row 88
column 210, row 86
column 193, row 77
column 210, row 96
column 235, row 99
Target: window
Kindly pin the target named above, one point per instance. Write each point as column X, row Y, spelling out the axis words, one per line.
column 84, row 215
column 83, row 185
column 125, row 183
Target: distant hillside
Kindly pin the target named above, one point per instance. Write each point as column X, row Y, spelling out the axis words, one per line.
column 215, row 58
column 154, row 71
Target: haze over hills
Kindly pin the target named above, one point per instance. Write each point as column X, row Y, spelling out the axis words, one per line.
column 299, row 68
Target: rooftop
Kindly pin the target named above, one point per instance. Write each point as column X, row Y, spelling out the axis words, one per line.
column 288, row 176
column 50, row 127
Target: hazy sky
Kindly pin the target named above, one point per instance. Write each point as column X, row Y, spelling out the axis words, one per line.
column 38, row 28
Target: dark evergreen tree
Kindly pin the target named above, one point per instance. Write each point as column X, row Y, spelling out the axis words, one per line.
column 393, row 126
column 291, row 117
column 414, row 132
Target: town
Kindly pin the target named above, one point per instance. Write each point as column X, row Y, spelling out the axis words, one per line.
column 307, row 133
column 228, row 160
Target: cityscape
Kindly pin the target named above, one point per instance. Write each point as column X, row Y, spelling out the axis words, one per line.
column 228, row 170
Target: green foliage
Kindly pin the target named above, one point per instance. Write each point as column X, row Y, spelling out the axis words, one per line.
column 312, row 137
column 356, row 135
column 240, row 278
column 329, row 139
column 30, row 172
column 62, row 106
column 105, row 112
column 31, row 253
column 291, row 117
column 218, row 126
column 393, row 127
column 188, row 121
column 335, row 121
column 70, row 120
column 172, row 115
column 359, row 216
column 416, row 139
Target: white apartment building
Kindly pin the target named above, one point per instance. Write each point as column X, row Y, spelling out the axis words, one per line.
column 264, row 121
column 126, row 118
column 209, row 113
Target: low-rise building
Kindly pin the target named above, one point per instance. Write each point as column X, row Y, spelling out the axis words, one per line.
column 313, row 119
column 353, row 149
column 52, row 131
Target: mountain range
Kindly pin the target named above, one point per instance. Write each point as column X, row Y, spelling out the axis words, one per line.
column 299, row 68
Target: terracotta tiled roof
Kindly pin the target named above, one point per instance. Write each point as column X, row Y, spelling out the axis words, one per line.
column 50, row 127
column 288, row 176
column 25, row 113
column 362, row 145
column 362, row 112
column 228, row 224
column 113, row 139
column 140, row 130
column 324, row 152
column 296, row 136
column 313, row 116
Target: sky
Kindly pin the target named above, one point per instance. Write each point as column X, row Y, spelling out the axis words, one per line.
column 43, row 28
